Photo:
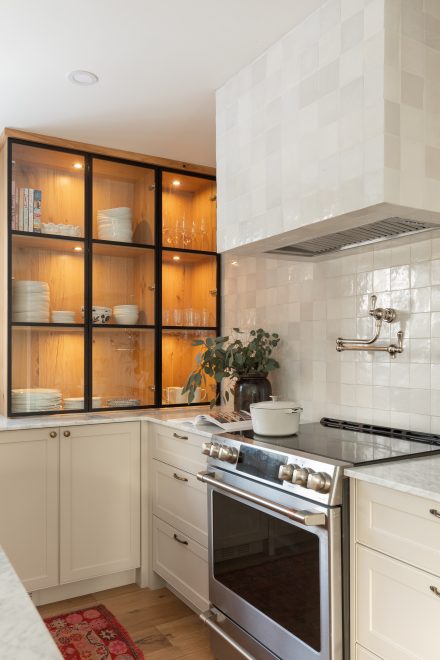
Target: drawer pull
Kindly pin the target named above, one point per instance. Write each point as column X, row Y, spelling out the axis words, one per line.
column 180, row 437
column 53, row 434
column 176, row 476
column 434, row 590
column 435, row 512
column 176, row 538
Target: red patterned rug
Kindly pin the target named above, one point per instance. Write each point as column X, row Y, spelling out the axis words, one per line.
column 92, row 634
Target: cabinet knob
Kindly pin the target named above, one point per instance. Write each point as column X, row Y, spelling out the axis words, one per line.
column 53, row 434
column 66, row 434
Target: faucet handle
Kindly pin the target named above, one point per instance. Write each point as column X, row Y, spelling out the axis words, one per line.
column 373, row 301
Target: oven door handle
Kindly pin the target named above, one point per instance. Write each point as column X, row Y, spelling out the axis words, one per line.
column 304, row 517
column 209, row 618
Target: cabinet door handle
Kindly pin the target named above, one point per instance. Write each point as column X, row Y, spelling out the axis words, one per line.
column 176, row 476
column 434, row 590
column 66, row 434
column 180, row 437
column 435, row 512
column 176, row 538
column 53, row 434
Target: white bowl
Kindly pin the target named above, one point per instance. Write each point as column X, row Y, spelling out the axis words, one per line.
column 126, row 319
column 59, row 316
column 100, row 315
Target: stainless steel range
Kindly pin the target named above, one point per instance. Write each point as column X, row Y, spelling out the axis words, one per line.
column 278, row 536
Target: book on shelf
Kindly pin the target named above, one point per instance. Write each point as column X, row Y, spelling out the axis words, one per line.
column 37, row 211
column 26, row 209
column 30, row 209
column 228, row 420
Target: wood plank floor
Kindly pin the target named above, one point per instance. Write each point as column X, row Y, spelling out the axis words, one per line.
column 160, row 624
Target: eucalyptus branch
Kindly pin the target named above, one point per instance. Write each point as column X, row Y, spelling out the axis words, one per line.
column 230, row 357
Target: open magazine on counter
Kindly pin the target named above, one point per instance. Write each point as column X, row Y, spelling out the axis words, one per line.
column 228, row 420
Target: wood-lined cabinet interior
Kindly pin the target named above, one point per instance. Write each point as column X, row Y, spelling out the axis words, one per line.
column 90, row 280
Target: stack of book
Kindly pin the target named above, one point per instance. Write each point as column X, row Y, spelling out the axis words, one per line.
column 26, row 209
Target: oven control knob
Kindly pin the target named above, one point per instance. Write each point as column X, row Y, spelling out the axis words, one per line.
column 300, row 476
column 214, row 450
column 229, row 454
column 206, row 448
column 285, row 472
column 319, row 481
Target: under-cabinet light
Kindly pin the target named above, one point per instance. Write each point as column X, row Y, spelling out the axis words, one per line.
column 77, row 248
column 176, row 182
column 176, row 258
column 77, row 166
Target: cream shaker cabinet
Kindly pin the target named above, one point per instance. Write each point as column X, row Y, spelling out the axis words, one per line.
column 99, row 500
column 70, row 502
column 396, row 574
column 29, row 504
column 180, row 513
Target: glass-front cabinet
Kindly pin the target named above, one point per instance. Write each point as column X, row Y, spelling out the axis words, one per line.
column 112, row 276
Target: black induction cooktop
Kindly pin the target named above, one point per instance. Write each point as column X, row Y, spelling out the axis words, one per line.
column 349, row 442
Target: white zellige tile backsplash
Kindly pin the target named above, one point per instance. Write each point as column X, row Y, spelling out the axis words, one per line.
column 311, row 304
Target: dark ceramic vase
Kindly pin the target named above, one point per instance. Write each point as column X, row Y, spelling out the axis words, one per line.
column 251, row 389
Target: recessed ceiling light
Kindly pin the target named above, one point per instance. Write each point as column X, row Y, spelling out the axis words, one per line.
column 81, row 77
column 176, row 182
column 77, row 166
column 176, row 258
column 77, row 248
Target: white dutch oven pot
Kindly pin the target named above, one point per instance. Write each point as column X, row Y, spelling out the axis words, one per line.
column 275, row 418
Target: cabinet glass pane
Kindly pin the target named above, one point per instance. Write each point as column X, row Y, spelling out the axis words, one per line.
column 47, row 191
column 47, row 280
column 123, row 367
column 189, row 212
column 178, row 360
column 188, row 289
column 48, row 358
column 123, row 280
column 123, row 202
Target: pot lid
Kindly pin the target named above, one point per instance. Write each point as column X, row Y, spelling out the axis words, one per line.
column 275, row 405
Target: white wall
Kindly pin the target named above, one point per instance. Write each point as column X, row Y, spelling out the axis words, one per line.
column 310, row 305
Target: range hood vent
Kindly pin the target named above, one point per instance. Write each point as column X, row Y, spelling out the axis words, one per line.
column 351, row 238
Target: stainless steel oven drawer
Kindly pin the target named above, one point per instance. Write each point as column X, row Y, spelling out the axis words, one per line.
column 222, row 628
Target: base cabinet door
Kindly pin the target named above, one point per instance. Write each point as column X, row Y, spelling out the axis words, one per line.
column 181, row 562
column 29, row 504
column 99, row 500
column 363, row 654
column 398, row 611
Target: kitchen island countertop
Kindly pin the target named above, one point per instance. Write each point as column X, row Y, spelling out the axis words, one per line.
column 23, row 633
column 417, row 476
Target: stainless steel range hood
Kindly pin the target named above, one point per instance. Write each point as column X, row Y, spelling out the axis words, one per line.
column 355, row 237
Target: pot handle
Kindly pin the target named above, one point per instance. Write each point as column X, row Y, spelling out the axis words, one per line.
column 294, row 410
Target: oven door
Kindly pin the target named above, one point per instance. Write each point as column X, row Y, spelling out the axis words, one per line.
column 275, row 567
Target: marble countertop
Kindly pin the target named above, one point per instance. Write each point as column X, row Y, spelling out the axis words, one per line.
column 417, row 476
column 176, row 417
column 23, row 634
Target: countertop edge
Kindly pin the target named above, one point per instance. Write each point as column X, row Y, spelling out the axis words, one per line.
column 405, row 476
column 22, row 630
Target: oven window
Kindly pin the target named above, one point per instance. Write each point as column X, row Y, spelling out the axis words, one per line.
column 271, row 564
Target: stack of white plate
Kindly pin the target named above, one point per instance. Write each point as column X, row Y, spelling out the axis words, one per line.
column 115, row 225
column 77, row 402
column 30, row 301
column 123, row 403
column 35, row 399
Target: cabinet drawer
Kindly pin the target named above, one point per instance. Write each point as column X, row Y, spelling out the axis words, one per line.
column 181, row 562
column 363, row 654
column 178, row 447
column 397, row 613
column 180, row 500
column 398, row 524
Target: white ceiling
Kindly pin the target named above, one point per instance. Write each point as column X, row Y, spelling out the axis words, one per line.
column 159, row 63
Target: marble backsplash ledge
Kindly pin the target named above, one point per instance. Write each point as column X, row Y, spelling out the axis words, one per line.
column 311, row 304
